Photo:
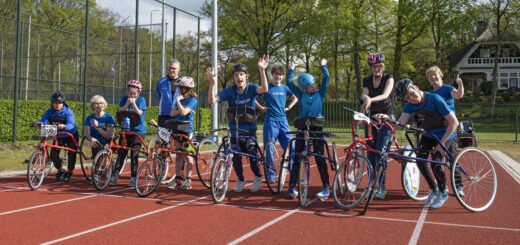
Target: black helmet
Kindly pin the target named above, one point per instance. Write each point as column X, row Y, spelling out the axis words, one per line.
column 58, row 96
column 401, row 88
column 376, row 58
column 239, row 67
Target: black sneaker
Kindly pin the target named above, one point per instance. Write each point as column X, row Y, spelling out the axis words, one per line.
column 60, row 174
column 67, row 176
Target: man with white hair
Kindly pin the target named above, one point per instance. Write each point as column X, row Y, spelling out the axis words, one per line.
column 167, row 91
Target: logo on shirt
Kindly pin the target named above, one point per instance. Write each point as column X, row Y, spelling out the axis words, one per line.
column 277, row 93
column 243, row 101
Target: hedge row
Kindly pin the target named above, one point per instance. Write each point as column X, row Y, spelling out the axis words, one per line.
column 30, row 111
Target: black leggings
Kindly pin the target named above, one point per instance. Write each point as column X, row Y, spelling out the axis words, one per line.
column 427, row 146
column 67, row 142
column 132, row 141
column 318, row 148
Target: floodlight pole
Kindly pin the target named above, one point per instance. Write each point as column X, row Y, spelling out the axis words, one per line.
column 28, row 58
column 85, row 65
column 214, row 63
column 151, row 50
column 17, row 65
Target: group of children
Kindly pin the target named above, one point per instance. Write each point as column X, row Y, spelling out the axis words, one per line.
column 435, row 107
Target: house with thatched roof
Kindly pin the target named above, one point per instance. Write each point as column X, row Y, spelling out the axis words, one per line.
column 475, row 61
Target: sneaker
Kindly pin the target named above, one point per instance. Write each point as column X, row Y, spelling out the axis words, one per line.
column 67, row 176
column 256, row 184
column 240, row 185
column 292, row 193
column 439, row 201
column 60, row 174
column 381, row 193
column 431, row 197
column 324, row 194
column 175, row 182
column 271, row 180
column 132, row 181
column 186, row 185
column 113, row 180
column 460, row 190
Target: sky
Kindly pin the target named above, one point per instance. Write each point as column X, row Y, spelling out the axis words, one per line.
column 184, row 23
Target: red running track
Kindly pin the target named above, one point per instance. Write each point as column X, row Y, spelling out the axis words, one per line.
column 75, row 213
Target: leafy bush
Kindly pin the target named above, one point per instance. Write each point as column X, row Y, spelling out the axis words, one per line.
column 487, row 87
column 506, row 97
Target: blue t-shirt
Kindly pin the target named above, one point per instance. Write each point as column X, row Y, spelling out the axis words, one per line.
column 247, row 98
column 275, row 100
column 310, row 104
column 192, row 104
column 432, row 102
column 141, row 105
column 445, row 93
column 104, row 120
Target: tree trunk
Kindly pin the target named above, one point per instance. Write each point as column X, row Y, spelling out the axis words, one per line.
column 398, row 47
column 336, row 77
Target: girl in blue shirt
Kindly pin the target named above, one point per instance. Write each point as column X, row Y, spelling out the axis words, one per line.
column 131, row 102
column 99, row 125
column 186, row 105
column 311, row 104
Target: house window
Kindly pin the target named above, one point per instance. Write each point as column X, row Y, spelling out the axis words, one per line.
column 484, row 53
column 504, row 81
column 513, row 80
column 505, row 52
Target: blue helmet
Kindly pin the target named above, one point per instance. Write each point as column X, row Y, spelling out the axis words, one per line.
column 305, row 80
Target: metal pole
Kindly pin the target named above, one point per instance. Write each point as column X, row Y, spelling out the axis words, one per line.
column 516, row 124
column 120, row 46
column 197, row 118
column 16, row 66
column 162, row 45
column 174, row 29
column 136, row 43
column 2, row 63
column 38, row 65
column 85, row 71
column 28, row 59
column 59, row 75
column 150, row 76
column 214, row 50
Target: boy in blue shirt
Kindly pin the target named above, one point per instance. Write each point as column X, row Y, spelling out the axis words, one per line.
column 275, row 121
column 311, row 104
column 449, row 94
column 242, row 94
column 131, row 102
column 99, row 126
column 60, row 111
column 186, row 105
column 437, row 119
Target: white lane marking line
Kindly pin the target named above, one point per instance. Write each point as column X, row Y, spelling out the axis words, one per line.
column 508, row 164
column 418, row 227
column 121, row 221
column 255, row 231
column 64, row 201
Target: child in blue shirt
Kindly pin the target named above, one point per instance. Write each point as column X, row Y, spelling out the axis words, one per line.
column 311, row 104
column 449, row 94
column 99, row 126
column 184, row 110
column 131, row 102
column 436, row 113
column 61, row 114
column 242, row 94
column 275, row 121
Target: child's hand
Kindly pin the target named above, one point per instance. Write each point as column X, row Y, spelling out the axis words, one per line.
column 61, row 126
column 294, row 64
column 130, row 101
column 94, row 142
column 210, row 74
column 263, row 109
column 263, row 62
column 323, row 62
column 94, row 123
column 180, row 97
column 459, row 81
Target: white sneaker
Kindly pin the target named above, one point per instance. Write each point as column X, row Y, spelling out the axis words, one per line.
column 240, row 186
column 256, row 184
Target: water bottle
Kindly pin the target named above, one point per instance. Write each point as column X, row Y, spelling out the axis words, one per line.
column 126, row 123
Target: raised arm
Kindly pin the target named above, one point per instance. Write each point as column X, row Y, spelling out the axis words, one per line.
column 458, row 93
column 262, row 64
column 325, row 79
column 212, row 97
column 289, row 80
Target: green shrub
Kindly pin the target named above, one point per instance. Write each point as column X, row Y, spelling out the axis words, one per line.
column 506, row 97
column 487, row 88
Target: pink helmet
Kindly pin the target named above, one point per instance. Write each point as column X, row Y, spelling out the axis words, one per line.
column 376, row 58
column 134, row 83
column 186, row 82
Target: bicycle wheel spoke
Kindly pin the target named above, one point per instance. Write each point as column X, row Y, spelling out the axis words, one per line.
column 206, row 154
column 355, row 174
